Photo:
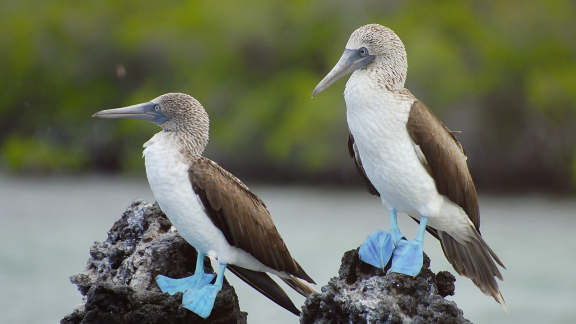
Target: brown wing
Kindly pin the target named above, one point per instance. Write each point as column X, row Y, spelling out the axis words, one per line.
column 445, row 158
column 241, row 216
column 353, row 150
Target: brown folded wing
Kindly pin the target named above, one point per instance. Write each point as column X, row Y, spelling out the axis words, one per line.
column 445, row 160
column 241, row 216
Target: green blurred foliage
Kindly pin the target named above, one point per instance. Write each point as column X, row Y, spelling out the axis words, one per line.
column 27, row 153
column 253, row 65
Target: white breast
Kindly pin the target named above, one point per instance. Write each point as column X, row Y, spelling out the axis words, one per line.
column 167, row 171
column 377, row 119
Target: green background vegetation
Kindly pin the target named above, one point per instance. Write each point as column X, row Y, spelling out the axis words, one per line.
column 502, row 72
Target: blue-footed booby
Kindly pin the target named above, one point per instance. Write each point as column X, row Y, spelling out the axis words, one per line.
column 411, row 161
column 212, row 209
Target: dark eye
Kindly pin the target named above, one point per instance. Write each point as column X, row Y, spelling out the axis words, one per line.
column 363, row 51
column 157, row 108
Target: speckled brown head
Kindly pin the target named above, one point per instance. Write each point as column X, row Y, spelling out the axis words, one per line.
column 374, row 49
column 184, row 113
column 174, row 112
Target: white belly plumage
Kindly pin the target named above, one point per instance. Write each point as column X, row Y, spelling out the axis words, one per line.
column 377, row 119
column 167, row 172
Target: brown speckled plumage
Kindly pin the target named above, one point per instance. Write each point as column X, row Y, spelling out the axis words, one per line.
column 188, row 118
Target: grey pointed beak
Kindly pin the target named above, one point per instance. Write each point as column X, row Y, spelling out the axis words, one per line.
column 350, row 61
column 148, row 111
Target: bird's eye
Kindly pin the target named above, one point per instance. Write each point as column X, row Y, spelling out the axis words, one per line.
column 157, row 108
column 363, row 51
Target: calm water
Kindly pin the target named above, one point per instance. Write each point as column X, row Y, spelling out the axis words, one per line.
column 48, row 226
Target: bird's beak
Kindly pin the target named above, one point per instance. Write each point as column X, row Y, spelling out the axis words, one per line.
column 148, row 111
column 351, row 60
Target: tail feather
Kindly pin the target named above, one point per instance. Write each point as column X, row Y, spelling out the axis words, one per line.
column 266, row 286
column 301, row 286
column 303, row 275
column 475, row 260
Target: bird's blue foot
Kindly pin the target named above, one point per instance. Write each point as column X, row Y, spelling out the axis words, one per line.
column 409, row 255
column 172, row 286
column 196, row 281
column 378, row 248
column 201, row 301
column 199, row 294
column 408, row 258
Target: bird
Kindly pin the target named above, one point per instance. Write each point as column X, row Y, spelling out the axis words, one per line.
column 211, row 209
column 412, row 161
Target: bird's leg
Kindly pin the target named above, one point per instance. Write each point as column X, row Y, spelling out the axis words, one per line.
column 394, row 229
column 196, row 281
column 378, row 248
column 201, row 301
column 408, row 256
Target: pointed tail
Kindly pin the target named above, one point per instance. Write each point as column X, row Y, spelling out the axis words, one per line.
column 266, row 286
column 301, row 286
column 477, row 261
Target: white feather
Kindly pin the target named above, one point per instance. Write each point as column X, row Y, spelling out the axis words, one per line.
column 167, row 171
column 377, row 119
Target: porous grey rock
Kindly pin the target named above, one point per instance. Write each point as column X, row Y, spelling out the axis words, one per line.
column 119, row 284
column 365, row 294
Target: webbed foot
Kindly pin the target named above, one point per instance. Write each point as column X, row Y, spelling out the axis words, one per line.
column 193, row 282
column 408, row 258
column 378, row 248
column 201, row 301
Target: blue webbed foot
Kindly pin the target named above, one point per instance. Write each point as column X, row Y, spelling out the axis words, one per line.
column 408, row 258
column 201, row 301
column 199, row 294
column 196, row 281
column 172, row 286
column 409, row 255
column 378, row 248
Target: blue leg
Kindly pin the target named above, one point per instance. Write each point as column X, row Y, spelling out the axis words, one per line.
column 201, row 301
column 408, row 256
column 195, row 281
column 377, row 249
